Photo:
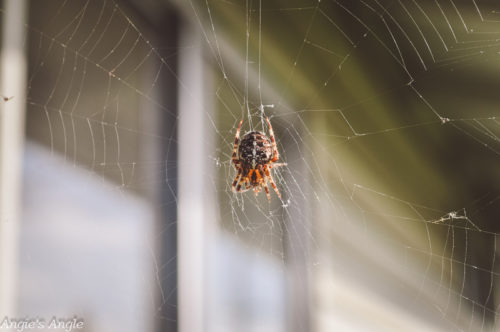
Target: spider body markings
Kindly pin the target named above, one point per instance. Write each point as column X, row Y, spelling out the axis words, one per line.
column 253, row 158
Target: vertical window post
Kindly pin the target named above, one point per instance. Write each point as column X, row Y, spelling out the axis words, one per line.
column 195, row 219
column 12, row 114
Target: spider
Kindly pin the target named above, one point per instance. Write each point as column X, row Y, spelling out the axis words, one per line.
column 253, row 159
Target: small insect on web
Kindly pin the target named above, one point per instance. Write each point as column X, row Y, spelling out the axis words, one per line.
column 253, row 159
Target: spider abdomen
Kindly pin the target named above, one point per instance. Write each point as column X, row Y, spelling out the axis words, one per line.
column 255, row 149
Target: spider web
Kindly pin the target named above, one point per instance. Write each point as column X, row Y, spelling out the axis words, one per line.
column 384, row 111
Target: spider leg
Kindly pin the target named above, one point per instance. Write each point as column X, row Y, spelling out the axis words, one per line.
column 256, row 190
column 276, row 155
column 277, row 165
column 247, row 183
column 274, row 187
column 237, row 179
column 242, row 184
column 266, row 188
column 236, row 141
column 238, row 187
column 270, row 178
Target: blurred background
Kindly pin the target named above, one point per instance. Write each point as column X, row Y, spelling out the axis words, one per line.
column 118, row 119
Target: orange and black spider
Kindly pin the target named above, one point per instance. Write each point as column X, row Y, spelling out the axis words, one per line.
column 253, row 159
